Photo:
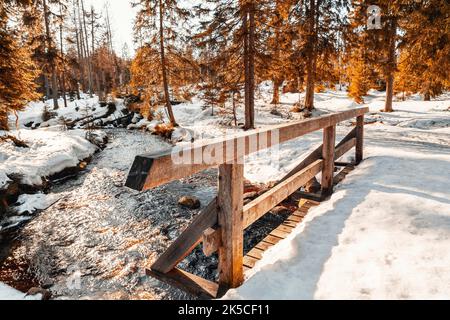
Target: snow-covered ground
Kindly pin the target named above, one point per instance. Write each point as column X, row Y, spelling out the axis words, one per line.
column 384, row 234
column 50, row 151
column 8, row 293
column 32, row 116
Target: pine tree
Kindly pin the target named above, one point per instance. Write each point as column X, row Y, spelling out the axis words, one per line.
column 17, row 70
column 158, row 20
column 426, row 47
column 317, row 23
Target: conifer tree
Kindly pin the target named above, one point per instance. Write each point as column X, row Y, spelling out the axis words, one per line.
column 160, row 22
column 17, row 70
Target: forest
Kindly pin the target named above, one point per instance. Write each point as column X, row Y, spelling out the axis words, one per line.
column 82, row 102
column 222, row 49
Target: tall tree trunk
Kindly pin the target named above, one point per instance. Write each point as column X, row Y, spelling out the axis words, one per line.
column 4, row 119
column 88, row 54
column 47, row 87
column 391, row 67
column 63, row 72
column 79, row 51
column 164, row 67
column 51, row 61
column 246, row 68
column 312, row 56
column 276, row 91
column 251, row 62
column 95, row 82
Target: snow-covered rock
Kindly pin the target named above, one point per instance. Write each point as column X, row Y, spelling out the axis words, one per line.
column 50, row 151
column 30, row 203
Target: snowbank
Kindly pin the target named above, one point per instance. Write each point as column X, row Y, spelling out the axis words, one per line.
column 384, row 234
column 8, row 293
column 32, row 116
column 50, row 151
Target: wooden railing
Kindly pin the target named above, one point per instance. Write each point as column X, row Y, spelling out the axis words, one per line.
column 221, row 223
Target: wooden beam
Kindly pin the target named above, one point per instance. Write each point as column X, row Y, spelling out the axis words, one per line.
column 314, row 156
column 211, row 241
column 188, row 282
column 329, row 140
column 344, row 148
column 230, row 203
column 149, row 171
column 270, row 199
column 359, row 139
column 188, row 240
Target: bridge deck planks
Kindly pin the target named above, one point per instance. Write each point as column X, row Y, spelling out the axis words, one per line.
column 291, row 222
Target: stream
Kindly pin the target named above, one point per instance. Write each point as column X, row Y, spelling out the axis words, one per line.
column 98, row 239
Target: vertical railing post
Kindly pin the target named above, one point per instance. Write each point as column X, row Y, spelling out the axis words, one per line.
column 329, row 144
column 230, row 214
column 359, row 139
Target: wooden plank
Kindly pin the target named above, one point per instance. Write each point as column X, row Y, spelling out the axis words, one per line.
column 309, row 196
column 188, row 240
column 249, row 262
column 188, row 282
column 256, row 253
column 152, row 170
column 314, row 156
column 279, row 233
column 230, row 203
column 291, row 224
column 359, row 138
column 329, row 140
column 294, row 218
column 272, row 239
column 270, row 199
column 343, row 149
column 264, row 246
column 285, row 228
column 211, row 241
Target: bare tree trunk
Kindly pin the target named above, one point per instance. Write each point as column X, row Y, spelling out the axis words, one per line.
column 391, row 67
column 51, row 62
column 246, row 68
column 276, row 92
column 47, row 87
column 163, row 67
column 234, row 109
column 79, row 51
column 88, row 54
column 248, row 23
column 312, row 57
column 63, row 72
column 251, row 42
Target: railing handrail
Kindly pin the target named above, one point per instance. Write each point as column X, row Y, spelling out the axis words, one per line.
column 152, row 170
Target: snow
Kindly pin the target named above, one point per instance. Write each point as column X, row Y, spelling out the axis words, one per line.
column 86, row 106
column 30, row 203
column 8, row 293
column 385, row 232
column 50, row 151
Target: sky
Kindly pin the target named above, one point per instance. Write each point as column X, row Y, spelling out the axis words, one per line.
column 121, row 16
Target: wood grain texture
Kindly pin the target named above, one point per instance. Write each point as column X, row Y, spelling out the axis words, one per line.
column 230, row 204
column 329, row 140
column 359, row 139
column 270, row 199
column 188, row 282
column 163, row 169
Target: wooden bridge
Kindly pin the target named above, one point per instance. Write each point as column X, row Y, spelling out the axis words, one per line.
column 221, row 224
